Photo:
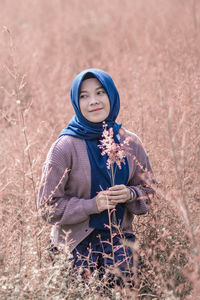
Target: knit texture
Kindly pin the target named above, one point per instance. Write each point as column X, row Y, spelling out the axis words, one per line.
column 64, row 195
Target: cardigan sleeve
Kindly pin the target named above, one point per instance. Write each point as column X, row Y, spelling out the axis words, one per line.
column 140, row 181
column 54, row 203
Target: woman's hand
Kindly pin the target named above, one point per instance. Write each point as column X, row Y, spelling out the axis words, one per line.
column 119, row 194
column 103, row 202
column 110, row 198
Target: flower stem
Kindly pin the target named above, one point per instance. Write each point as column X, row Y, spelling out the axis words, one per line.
column 114, row 217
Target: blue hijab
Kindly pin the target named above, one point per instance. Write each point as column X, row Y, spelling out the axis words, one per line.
column 91, row 132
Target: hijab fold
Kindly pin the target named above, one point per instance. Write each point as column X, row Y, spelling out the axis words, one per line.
column 80, row 127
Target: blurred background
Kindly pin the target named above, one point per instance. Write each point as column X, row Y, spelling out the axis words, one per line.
column 151, row 50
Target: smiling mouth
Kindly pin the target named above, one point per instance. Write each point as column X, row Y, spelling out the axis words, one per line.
column 97, row 109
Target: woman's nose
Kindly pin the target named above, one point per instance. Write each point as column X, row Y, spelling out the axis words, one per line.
column 93, row 100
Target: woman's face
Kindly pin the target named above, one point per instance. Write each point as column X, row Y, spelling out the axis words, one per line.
column 93, row 101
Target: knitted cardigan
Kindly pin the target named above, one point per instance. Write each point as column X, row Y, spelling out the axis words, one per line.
column 64, row 193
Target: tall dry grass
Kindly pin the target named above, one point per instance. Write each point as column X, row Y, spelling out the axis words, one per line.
column 151, row 49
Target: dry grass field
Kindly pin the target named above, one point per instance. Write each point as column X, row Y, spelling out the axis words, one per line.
column 151, row 50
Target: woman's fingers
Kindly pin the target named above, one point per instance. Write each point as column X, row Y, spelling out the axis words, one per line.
column 110, row 198
column 115, row 202
column 118, row 197
column 117, row 187
column 103, row 202
column 119, row 194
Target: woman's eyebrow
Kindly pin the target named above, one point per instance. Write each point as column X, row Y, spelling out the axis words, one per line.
column 85, row 91
column 100, row 87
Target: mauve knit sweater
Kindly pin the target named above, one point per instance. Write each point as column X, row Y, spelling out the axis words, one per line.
column 64, row 195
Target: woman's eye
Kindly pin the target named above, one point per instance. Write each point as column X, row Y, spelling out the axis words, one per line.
column 101, row 92
column 83, row 96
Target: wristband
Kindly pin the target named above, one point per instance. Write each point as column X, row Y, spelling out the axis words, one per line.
column 133, row 195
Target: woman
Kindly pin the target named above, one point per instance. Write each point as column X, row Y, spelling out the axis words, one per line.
column 76, row 195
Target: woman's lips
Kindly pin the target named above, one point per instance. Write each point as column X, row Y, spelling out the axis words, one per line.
column 96, row 109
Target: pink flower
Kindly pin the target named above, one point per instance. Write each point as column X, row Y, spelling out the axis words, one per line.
column 115, row 151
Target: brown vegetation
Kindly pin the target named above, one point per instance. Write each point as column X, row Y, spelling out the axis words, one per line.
column 151, row 49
